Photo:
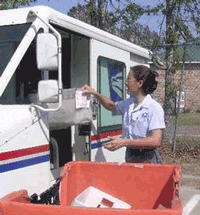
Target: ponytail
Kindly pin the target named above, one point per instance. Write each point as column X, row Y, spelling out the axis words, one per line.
column 148, row 76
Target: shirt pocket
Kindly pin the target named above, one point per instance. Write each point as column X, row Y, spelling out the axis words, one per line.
column 141, row 125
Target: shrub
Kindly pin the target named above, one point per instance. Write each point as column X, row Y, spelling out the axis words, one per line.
column 187, row 110
column 198, row 110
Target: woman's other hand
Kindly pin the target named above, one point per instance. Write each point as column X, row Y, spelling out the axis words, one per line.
column 115, row 143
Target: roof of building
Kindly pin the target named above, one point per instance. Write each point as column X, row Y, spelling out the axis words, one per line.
column 192, row 51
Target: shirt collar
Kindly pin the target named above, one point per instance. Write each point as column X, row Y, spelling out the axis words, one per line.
column 147, row 100
column 145, row 103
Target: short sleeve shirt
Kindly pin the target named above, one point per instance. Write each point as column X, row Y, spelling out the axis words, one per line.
column 138, row 122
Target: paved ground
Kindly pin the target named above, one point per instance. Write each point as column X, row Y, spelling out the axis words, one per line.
column 190, row 186
column 190, row 198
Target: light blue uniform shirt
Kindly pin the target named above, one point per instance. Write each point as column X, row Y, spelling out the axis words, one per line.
column 138, row 122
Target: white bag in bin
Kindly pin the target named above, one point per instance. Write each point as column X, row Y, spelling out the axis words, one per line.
column 93, row 197
column 70, row 113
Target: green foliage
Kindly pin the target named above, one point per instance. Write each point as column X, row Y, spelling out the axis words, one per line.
column 198, row 110
column 187, row 110
column 182, row 13
column 171, row 87
column 180, row 17
column 122, row 23
column 183, row 29
column 8, row 4
column 133, row 12
column 170, row 93
column 177, row 57
column 155, row 10
column 156, row 43
column 172, row 36
column 95, row 15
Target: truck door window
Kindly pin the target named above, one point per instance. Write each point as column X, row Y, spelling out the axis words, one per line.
column 27, row 77
column 10, row 37
column 111, row 77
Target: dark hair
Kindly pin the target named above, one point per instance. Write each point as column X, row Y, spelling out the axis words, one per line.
column 144, row 73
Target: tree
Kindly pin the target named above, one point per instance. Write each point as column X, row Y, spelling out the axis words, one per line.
column 94, row 14
column 8, row 4
column 119, row 22
column 182, row 20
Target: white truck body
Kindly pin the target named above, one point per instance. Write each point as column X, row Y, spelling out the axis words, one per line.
column 31, row 151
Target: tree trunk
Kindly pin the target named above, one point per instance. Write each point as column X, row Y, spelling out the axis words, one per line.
column 101, row 14
column 179, row 100
column 168, row 102
column 92, row 12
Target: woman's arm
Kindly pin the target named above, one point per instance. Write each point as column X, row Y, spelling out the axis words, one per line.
column 153, row 141
column 106, row 102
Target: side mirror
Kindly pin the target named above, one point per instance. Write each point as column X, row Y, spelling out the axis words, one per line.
column 47, row 52
column 48, row 91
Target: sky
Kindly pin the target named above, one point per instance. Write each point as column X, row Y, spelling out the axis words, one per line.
column 61, row 5
column 65, row 5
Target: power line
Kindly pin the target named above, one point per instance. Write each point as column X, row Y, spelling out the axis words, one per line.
column 168, row 45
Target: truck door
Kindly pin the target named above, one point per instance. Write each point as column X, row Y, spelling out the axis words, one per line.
column 108, row 73
column 75, row 73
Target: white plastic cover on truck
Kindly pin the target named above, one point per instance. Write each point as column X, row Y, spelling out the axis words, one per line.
column 75, row 109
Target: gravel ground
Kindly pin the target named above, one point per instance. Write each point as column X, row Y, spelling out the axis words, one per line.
column 190, row 175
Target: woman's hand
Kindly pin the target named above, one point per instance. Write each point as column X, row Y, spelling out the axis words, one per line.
column 115, row 143
column 88, row 90
column 106, row 102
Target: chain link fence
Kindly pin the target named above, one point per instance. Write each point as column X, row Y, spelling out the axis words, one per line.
column 187, row 140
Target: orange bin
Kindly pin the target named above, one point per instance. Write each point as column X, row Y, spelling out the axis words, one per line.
column 148, row 188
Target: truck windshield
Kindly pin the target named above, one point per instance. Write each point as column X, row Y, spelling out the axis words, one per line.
column 10, row 37
column 23, row 85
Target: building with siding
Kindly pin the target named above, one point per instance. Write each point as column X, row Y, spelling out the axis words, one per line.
column 190, row 96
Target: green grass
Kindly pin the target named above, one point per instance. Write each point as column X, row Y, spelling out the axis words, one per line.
column 187, row 119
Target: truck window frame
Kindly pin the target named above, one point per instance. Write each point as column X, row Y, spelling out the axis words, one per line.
column 101, row 127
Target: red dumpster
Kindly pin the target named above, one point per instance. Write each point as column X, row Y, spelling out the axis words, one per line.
column 147, row 189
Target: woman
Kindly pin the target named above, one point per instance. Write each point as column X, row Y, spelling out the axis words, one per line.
column 143, row 117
